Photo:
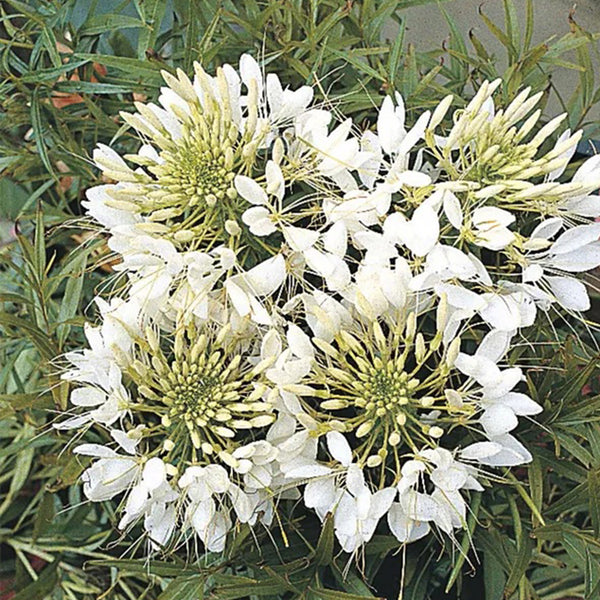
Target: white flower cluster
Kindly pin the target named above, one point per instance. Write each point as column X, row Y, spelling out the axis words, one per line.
column 312, row 312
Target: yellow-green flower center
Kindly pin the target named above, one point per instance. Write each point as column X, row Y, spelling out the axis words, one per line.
column 385, row 392
column 386, row 385
column 201, row 393
column 201, row 389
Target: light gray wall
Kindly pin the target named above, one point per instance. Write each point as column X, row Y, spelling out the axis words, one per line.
column 427, row 28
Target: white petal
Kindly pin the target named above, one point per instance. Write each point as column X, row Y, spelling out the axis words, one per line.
column 390, row 128
column 547, row 229
column 453, row 210
column 580, row 260
column 421, row 233
column 126, row 442
column 451, row 478
column 588, row 206
column 513, row 453
column 501, row 312
column 460, row 297
column 532, row 273
column 570, row 293
column 308, row 471
column 589, row 171
column 320, row 493
column 275, row 180
column 575, row 238
column 249, row 190
column 494, row 345
column 87, row 396
column 95, row 450
column 418, row 506
column 299, row 342
column 404, row 528
column 249, row 71
column 498, row 419
column 489, row 215
column 266, row 277
column 300, row 239
column 257, row 218
column 480, row 450
column 238, row 297
column 339, row 448
column 154, row 473
column 521, row 404
column 335, row 240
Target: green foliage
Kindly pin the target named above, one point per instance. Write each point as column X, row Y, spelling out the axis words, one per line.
column 68, row 68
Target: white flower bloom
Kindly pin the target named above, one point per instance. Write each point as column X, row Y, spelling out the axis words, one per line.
column 110, row 475
column 500, row 404
column 294, row 299
column 356, row 510
column 576, row 250
column 491, row 227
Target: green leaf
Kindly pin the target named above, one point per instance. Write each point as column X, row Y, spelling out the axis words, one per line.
column 465, row 543
column 42, row 75
column 38, row 130
column 458, row 47
column 396, row 52
column 132, row 66
column 42, row 587
column 142, row 567
column 592, row 575
column 536, row 486
column 325, row 545
column 91, row 87
column 324, row 594
column 44, row 515
column 184, row 588
column 512, row 26
column 494, row 578
column 152, row 13
column 529, row 22
column 499, row 34
column 38, row 337
column 361, row 65
column 39, row 244
column 245, row 587
column 520, row 564
column 594, row 499
column 107, row 22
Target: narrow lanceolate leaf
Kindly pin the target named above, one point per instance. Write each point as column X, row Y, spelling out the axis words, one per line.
column 325, row 594
column 325, row 545
column 134, row 67
column 512, row 26
column 39, row 256
column 360, row 63
column 536, row 487
column 108, row 22
column 184, row 588
column 38, row 337
column 90, row 87
column 594, row 499
column 520, row 565
column 39, row 130
column 42, row 587
column 466, row 542
column 152, row 13
column 72, row 295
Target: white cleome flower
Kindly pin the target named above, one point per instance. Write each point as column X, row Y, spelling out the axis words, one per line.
column 312, row 313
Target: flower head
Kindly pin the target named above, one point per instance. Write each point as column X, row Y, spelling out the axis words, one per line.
column 200, row 389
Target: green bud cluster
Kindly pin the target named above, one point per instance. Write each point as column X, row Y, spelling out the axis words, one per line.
column 188, row 195
column 201, row 389
column 382, row 385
